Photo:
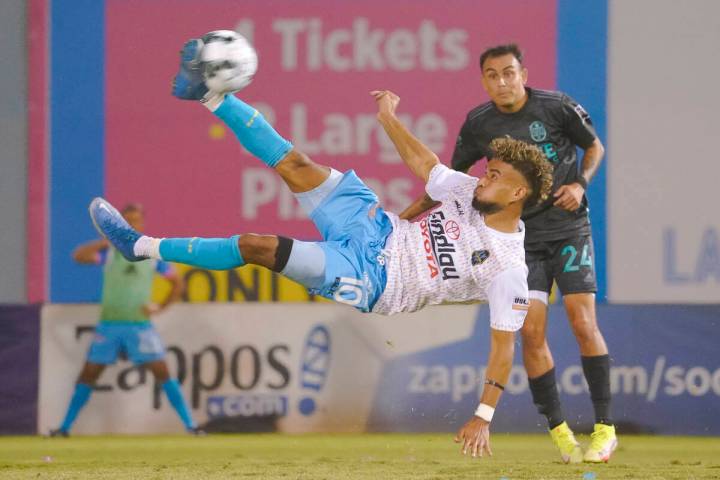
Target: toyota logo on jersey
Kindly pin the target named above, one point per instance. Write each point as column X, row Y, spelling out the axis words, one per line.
column 452, row 229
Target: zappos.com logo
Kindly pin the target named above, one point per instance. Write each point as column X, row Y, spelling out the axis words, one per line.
column 314, row 368
column 246, row 406
column 251, row 367
column 537, row 131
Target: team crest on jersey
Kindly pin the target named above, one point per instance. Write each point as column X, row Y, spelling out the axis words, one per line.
column 478, row 257
column 537, row 131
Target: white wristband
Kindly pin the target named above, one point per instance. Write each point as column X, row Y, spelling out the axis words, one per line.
column 485, row 412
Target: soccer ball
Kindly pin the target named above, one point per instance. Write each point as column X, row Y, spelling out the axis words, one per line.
column 229, row 61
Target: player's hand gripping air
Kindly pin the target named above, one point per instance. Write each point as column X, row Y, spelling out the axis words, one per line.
column 475, row 437
column 386, row 100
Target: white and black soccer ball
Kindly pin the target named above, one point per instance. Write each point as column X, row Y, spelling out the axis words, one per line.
column 229, row 61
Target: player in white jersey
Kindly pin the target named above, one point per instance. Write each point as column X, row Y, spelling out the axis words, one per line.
column 453, row 256
column 469, row 250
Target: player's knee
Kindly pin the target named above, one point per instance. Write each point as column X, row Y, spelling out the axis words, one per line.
column 585, row 329
column 533, row 336
column 295, row 160
column 89, row 376
column 253, row 247
column 533, row 329
column 581, row 313
column 160, row 372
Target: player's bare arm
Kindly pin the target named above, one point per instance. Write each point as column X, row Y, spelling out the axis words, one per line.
column 177, row 287
column 418, row 207
column 419, row 158
column 88, row 253
column 475, row 434
column 569, row 197
column 421, row 205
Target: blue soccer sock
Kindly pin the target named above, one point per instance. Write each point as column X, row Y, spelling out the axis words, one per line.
column 250, row 127
column 210, row 253
column 78, row 401
column 177, row 400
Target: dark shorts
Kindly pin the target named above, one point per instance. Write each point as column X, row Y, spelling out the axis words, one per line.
column 570, row 262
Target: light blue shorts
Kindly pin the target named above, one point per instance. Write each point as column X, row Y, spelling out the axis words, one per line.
column 354, row 229
column 138, row 340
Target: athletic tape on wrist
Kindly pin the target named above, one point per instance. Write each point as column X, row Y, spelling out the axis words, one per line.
column 485, row 412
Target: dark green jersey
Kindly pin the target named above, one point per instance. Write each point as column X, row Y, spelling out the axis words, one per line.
column 127, row 286
column 556, row 124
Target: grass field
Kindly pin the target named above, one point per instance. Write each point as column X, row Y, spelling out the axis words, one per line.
column 375, row 456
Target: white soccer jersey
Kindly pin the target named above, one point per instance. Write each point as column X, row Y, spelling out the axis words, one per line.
column 451, row 256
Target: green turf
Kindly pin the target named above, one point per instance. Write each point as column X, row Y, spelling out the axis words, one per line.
column 374, row 456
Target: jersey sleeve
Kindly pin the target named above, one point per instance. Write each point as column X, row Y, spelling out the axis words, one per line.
column 447, row 184
column 578, row 124
column 508, row 300
column 467, row 149
column 164, row 268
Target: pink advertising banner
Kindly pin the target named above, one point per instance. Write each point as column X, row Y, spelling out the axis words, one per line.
column 317, row 63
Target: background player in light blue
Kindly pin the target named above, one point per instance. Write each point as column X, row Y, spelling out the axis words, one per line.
column 125, row 326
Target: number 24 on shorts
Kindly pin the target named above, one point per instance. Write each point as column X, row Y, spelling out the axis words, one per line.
column 585, row 260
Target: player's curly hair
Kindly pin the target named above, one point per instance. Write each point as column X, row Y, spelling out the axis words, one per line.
column 530, row 162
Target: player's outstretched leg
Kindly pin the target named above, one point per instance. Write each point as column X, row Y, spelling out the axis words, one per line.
column 248, row 124
column 541, row 379
column 174, row 394
column 603, row 439
column 298, row 171
column 580, row 308
column 80, row 397
column 83, row 390
column 303, row 262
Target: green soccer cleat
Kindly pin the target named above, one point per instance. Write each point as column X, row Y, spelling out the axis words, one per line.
column 564, row 439
column 603, row 443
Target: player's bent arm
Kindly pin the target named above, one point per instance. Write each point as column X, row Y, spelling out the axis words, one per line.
column 508, row 301
column 418, row 207
column 500, row 359
column 569, row 197
column 89, row 253
column 176, row 290
column 419, row 158
column 591, row 160
column 475, row 433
